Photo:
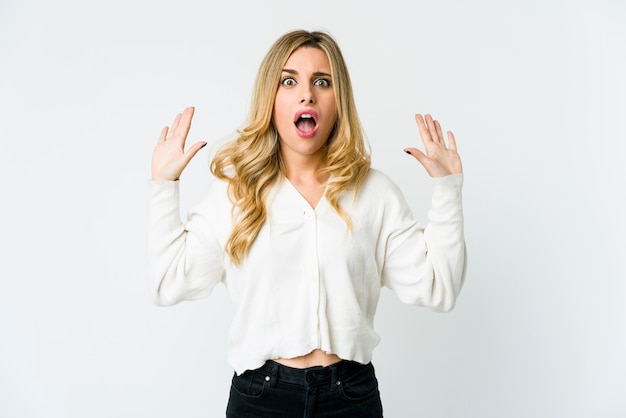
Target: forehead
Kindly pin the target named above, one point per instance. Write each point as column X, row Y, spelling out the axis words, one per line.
column 308, row 59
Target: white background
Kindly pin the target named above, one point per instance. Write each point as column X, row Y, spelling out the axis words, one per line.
column 534, row 91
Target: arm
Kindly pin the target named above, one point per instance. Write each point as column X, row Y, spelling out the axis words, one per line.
column 426, row 266
column 185, row 259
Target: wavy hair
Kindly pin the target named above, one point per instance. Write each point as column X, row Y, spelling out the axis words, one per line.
column 252, row 162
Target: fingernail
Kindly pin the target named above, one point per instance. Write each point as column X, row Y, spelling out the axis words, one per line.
column 407, row 151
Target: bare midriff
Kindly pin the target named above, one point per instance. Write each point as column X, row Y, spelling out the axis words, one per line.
column 314, row 358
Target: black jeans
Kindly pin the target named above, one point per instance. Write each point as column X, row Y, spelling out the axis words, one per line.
column 345, row 389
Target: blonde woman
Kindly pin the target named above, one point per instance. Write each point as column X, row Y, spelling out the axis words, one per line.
column 303, row 233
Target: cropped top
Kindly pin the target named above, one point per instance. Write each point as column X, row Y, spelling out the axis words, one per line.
column 309, row 282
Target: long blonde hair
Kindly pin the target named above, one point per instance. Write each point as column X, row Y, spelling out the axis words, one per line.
column 252, row 162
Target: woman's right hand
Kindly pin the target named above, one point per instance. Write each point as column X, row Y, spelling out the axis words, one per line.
column 169, row 158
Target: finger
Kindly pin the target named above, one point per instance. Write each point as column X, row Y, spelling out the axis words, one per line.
column 417, row 154
column 163, row 134
column 193, row 150
column 421, row 125
column 439, row 131
column 185, row 119
column 451, row 141
column 184, row 124
column 430, row 123
column 175, row 123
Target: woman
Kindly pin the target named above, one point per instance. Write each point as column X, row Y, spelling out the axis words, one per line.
column 304, row 234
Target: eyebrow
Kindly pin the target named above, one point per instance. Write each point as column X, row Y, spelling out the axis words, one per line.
column 316, row 74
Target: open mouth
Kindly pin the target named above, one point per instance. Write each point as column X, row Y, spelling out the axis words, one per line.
column 306, row 123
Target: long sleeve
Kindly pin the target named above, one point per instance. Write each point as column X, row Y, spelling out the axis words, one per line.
column 185, row 259
column 309, row 281
column 426, row 266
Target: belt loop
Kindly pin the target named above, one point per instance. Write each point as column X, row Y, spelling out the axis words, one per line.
column 335, row 382
column 271, row 377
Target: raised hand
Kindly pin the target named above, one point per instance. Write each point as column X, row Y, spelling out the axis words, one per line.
column 169, row 158
column 438, row 159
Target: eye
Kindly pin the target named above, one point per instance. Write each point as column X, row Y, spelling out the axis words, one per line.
column 322, row 82
column 288, row 81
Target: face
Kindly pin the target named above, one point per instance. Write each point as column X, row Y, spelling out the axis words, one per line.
column 304, row 108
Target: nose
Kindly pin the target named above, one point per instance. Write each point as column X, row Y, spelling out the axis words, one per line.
column 307, row 96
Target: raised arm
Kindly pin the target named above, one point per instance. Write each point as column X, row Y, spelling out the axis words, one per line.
column 426, row 266
column 185, row 258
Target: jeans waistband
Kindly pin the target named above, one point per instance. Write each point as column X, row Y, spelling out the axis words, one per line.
column 312, row 376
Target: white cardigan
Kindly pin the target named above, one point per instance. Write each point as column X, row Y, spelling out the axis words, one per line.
column 308, row 282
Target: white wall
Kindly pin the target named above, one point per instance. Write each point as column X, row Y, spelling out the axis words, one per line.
column 534, row 91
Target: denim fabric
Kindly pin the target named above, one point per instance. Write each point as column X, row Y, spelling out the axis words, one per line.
column 345, row 389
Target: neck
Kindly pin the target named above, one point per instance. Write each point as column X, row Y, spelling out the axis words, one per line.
column 306, row 179
column 304, row 169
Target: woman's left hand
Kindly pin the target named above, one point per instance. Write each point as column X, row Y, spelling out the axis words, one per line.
column 439, row 159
